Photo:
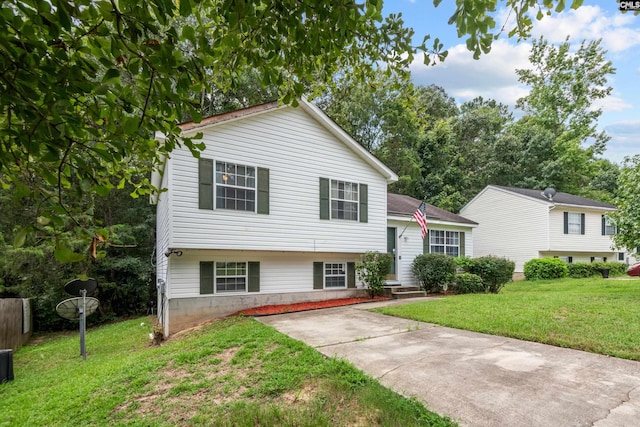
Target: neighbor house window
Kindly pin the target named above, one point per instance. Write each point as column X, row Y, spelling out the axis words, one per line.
column 567, row 259
column 607, row 226
column 231, row 277
column 444, row 242
column 335, row 275
column 235, row 187
column 344, row 200
column 574, row 223
column 621, row 256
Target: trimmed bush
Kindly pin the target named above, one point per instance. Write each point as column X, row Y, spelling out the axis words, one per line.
column 545, row 268
column 494, row 271
column 580, row 270
column 467, row 283
column 433, row 271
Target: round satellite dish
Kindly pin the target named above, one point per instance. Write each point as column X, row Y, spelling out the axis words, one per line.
column 76, row 286
column 549, row 193
column 70, row 308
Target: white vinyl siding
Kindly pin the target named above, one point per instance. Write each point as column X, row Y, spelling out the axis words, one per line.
column 410, row 245
column 509, row 225
column 297, row 150
column 280, row 272
column 592, row 241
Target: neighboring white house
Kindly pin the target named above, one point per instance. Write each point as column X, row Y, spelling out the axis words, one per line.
column 278, row 208
column 521, row 224
column 448, row 233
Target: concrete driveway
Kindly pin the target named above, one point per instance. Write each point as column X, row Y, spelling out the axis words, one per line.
column 476, row 379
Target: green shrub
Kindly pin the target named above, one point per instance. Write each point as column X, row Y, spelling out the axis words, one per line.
column 467, row 283
column 580, row 270
column 495, row 271
column 463, row 262
column 434, row 271
column 372, row 270
column 545, row 268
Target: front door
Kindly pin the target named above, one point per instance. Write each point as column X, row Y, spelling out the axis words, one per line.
column 391, row 249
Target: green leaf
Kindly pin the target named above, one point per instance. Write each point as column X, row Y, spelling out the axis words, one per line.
column 64, row 254
column 20, row 237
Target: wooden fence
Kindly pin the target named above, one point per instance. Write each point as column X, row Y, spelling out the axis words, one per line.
column 15, row 322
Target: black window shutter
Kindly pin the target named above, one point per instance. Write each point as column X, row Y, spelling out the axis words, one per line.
column 462, row 248
column 318, row 275
column 324, row 198
column 570, row 259
column 351, row 275
column 364, row 203
column 566, row 223
column 205, row 183
column 593, row 258
column 604, row 259
column 604, row 226
column 581, row 223
column 206, row 277
column 263, row 191
column 254, row 276
column 425, row 243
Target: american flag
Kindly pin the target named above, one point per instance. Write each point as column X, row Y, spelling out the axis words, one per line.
column 421, row 219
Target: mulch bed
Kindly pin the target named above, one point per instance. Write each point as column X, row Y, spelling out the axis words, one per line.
column 268, row 310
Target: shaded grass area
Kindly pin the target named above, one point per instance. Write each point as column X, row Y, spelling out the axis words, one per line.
column 595, row 315
column 236, row 372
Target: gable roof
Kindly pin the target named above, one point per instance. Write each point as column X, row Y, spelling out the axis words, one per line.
column 399, row 204
column 559, row 198
column 311, row 110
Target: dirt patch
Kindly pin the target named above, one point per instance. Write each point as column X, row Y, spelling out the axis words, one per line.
column 268, row 310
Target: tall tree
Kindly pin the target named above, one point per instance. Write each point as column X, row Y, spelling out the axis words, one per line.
column 627, row 218
column 564, row 87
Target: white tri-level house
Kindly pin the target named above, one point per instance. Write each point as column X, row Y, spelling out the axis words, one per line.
column 278, row 208
column 521, row 224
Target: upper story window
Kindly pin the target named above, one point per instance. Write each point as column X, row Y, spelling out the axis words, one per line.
column 607, row 226
column 574, row 223
column 444, row 242
column 344, row 200
column 235, row 187
column 232, row 186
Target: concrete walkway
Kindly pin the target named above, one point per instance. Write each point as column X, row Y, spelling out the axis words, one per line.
column 476, row 379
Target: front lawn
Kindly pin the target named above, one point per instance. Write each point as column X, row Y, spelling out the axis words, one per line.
column 595, row 315
column 236, row 372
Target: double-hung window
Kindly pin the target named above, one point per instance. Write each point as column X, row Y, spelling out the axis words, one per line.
column 444, row 242
column 235, row 187
column 344, row 200
column 231, row 277
column 335, row 275
column 608, row 228
column 574, row 223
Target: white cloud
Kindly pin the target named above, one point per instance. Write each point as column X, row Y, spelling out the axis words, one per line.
column 492, row 76
column 591, row 23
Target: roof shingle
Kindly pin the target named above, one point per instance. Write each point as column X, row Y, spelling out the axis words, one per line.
column 558, row 198
column 398, row 204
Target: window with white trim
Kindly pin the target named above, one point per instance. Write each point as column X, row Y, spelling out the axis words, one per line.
column 231, row 277
column 444, row 242
column 609, row 228
column 235, row 187
column 621, row 256
column 335, row 275
column 344, row 200
column 574, row 223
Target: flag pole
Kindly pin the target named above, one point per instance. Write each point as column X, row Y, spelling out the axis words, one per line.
column 405, row 227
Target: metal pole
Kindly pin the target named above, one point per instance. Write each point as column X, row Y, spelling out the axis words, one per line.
column 82, row 310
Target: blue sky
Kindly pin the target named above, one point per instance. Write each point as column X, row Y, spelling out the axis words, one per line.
column 493, row 76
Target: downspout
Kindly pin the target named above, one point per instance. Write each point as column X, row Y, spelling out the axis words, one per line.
column 552, row 207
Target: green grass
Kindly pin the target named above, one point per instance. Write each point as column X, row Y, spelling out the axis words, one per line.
column 595, row 315
column 235, row 372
